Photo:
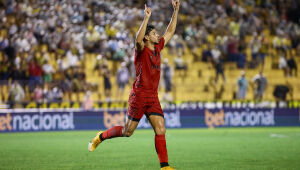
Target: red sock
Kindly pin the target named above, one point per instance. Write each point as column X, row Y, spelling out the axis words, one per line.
column 161, row 150
column 113, row 132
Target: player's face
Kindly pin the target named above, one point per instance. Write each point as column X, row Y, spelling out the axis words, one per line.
column 153, row 36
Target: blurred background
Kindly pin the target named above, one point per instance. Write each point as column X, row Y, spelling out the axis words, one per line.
column 82, row 50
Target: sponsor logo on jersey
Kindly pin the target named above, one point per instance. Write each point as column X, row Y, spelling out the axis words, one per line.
column 155, row 67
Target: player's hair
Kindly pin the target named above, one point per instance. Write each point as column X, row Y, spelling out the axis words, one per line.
column 149, row 28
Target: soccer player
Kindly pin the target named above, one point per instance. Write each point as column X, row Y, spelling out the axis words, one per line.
column 143, row 98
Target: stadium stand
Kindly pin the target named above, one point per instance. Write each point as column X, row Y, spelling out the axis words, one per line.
column 57, row 50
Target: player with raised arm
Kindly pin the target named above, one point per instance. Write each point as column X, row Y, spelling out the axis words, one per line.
column 143, row 98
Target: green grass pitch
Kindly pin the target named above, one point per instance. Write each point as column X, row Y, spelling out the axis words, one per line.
column 226, row 148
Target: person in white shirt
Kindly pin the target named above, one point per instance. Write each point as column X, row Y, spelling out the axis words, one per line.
column 122, row 80
column 16, row 93
column 283, row 62
column 47, row 71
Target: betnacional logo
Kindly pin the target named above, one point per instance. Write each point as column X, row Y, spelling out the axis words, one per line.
column 239, row 118
column 117, row 119
column 36, row 122
column 214, row 119
column 5, row 122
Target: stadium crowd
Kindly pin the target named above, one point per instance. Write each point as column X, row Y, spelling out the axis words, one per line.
column 44, row 43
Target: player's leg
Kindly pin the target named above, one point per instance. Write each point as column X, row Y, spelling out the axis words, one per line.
column 155, row 116
column 158, row 124
column 120, row 131
column 135, row 112
column 116, row 131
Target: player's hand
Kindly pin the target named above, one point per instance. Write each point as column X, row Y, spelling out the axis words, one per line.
column 176, row 4
column 147, row 11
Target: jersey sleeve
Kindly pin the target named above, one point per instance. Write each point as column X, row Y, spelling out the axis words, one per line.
column 161, row 44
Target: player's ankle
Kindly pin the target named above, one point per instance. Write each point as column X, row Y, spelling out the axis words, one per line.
column 164, row 164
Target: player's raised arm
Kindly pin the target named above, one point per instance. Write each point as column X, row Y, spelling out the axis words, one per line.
column 139, row 43
column 172, row 25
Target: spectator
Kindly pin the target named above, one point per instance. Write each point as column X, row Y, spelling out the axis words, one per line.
column 180, row 66
column 206, row 54
column 292, row 65
column 241, row 57
column 55, row 95
column 77, row 84
column 234, row 27
column 167, row 77
column 106, row 79
column 263, row 49
column 218, row 63
column 280, row 91
column 72, row 59
column 283, row 63
column 179, row 44
column 232, row 49
column 87, row 102
column 38, row 94
column 242, row 86
column 16, row 74
column 122, row 80
column 22, row 44
column 255, row 46
column 259, row 83
column 222, row 42
column 35, row 73
column 16, row 93
column 61, row 64
column 23, row 79
column 92, row 36
column 65, row 83
column 4, row 71
column 46, row 93
column 47, row 72
column 4, row 42
column 82, row 79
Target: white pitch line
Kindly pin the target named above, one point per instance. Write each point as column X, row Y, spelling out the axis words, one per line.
column 274, row 135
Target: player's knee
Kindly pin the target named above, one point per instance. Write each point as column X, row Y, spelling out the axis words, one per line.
column 160, row 130
column 128, row 133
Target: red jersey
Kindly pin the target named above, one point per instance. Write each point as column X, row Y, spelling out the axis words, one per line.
column 147, row 70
